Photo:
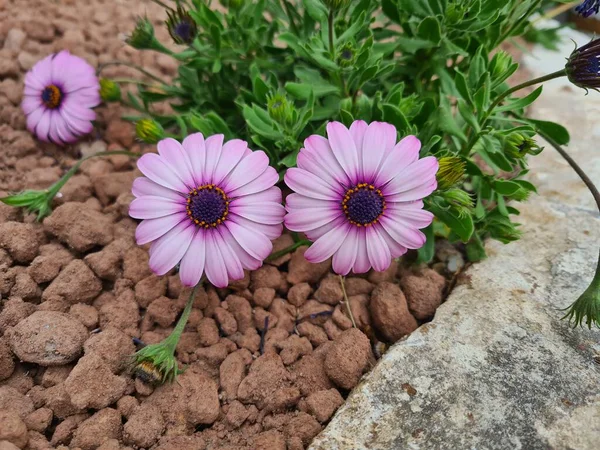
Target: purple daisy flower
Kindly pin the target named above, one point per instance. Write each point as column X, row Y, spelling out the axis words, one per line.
column 588, row 8
column 60, row 92
column 359, row 195
column 208, row 205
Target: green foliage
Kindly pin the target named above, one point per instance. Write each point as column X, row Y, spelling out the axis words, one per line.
column 274, row 72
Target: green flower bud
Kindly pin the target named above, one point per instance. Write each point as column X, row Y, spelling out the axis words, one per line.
column 451, row 171
column 518, row 145
column 279, row 108
column 143, row 35
column 587, row 307
column 109, row 90
column 181, row 26
column 346, row 55
column 500, row 64
column 149, row 131
column 34, row 201
column 459, row 199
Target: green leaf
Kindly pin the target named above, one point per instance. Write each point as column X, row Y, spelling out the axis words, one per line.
column 521, row 102
column 475, row 249
column 393, row 115
column 461, row 225
column 430, row 30
column 506, row 187
column 427, row 252
column 316, row 10
column 556, row 131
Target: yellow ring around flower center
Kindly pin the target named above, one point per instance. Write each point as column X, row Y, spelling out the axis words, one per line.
column 207, row 206
column 363, row 205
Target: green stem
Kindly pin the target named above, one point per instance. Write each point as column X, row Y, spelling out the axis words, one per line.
column 501, row 97
column 588, row 182
column 286, row 5
column 101, row 67
column 518, row 22
column 132, row 81
column 173, row 339
column 287, row 250
column 330, row 22
column 56, row 187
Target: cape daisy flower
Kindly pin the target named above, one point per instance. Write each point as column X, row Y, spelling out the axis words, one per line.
column 358, row 195
column 208, row 205
column 60, row 92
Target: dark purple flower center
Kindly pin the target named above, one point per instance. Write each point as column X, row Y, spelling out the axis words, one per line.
column 185, row 31
column 363, row 205
column 52, row 96
column 588, row 8
column 207, row 206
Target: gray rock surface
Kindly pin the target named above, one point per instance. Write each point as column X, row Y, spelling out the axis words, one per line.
column 497, row 368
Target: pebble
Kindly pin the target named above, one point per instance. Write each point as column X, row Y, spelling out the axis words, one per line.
column 48, row 338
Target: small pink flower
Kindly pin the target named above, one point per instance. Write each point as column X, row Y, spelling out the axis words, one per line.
column 208, row 205
column 60, row 92
column 359, row 195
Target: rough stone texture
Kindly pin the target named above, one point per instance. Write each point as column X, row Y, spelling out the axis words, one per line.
column 48, row 338
column 497, row 368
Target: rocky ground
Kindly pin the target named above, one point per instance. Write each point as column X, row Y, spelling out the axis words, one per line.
column 75, row 290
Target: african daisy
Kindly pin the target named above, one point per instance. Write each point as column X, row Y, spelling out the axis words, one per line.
column 358, row 195
column 60, row 92
column 208, row 205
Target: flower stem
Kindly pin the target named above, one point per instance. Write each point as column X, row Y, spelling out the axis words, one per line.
column 173, row 339
column 285, row 251
column 56, row 187
column 346, row 301
column 101, row 67
column 330, row 22
column 587, row 307
column 286, row 5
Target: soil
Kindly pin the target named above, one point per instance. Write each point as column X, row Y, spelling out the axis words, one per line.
column 269, row 359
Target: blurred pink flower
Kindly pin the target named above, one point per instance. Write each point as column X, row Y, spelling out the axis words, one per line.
column 60, row 92
column 209, row 205
column 359, row 195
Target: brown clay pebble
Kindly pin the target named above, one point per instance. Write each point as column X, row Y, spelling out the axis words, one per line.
column 330, row 291
column 11, row 398
column 7, row 363
column 302, row 426
column 310, row 374
column 208, row 332
column 193, row 400
column 127, row 405
column 12, row 428
column 293, row 348
column 315, row 334
column 300, row 270
column 19, row 240
column 299, row 293
column 144, row 427
column 357, row 286
column 102, row 426
column 39, row 419
column 236, row 414
column 113, row 346
column 241, row 310
column 226, row 321
column 263, row 297
column 348, row 358
column 266, row 277
column 79, row 227
column 86, row 314
column 163, row 311
column 48, row 338
column 64, row 430
column 322, row 404
column 150, row 288
column 91, row 383
column 424, row 292
column 390, row 313
column 75, row 283
column 231, row 373
column 13, row 311
column 266, row 375
column 135, row 264
column 270, row 440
